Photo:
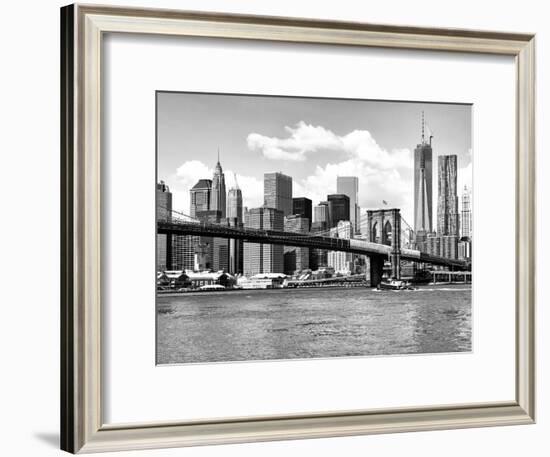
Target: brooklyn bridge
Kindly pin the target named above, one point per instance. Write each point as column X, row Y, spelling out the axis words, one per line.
column 384, row 240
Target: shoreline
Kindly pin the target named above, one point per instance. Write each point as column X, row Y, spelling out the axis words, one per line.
column 310, row 289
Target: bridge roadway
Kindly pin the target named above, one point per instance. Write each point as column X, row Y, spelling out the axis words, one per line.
column 179, row 227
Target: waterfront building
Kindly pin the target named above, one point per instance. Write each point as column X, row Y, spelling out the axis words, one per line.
column 296, row 258
column 447, row 203
column 301, row 206
column 263, row 281
column 349, row 185
column 235, row 203
column 218, row 195
column 423, row 184
column 342, row 262
column 278, row 192
column 164, row 212
column 183, row 251
column 200, row 196
column 466, row 214
column 258, row 257
column 338, row 209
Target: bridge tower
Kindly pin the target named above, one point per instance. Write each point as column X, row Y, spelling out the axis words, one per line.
column 384, row 227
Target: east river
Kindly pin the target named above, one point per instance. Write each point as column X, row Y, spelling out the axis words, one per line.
column 312, row 323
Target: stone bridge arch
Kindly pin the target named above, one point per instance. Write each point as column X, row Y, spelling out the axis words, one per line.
column 384, row 227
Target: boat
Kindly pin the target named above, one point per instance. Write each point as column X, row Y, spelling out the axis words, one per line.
column 394, row 284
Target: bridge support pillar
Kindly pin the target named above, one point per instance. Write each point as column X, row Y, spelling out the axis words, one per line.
column 168, row 251
column 376, row 270
column 395, row 259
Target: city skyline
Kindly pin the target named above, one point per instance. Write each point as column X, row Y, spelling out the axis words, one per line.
column 377, row 147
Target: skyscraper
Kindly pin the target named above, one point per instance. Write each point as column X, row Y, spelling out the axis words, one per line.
column 218, row 251
column 278, row 192
column 466, row 214
column 447, row 206
column 349, row 185
column 423, row 185
column 338, row 209
column 320, row 213
column 217, row 197
column 447, row 203
column 164, row 212
column 296, row 258
column 200, row 196
column 235, row 203
column 258, row 257
column 301, row 206
column 341, row 261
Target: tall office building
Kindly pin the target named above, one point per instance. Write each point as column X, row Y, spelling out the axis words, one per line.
column 183, row 251
column 217, row 197
column 218, row 252
column 200, row 196
column 278, row 192
column 466, row 214
column 338, row 209
column 447, row 206
column 258, row 257
column 235, row 203
column 296, row 258
column 301, row 206
column 423, row 185
column 447, row 203
column 320, row 213
column 342, row 262
column 164, row 212
column 349, row 185
column 236, row 248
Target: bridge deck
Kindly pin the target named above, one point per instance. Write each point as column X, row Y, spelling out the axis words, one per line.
column 177, row 227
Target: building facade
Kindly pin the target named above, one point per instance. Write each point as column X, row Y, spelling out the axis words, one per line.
column 235, row 203
column 447, row 202
column 258, row 257
column 342, row 262
column 218, row 251
column 200, row 196
column 423, row 176
column 301, row 206
column 278, row 192
column 320, row 213
column 218, row 195
column 466, row 214
column 338, row 209
column 349, row 185
column 164, row 212
column 296, row 258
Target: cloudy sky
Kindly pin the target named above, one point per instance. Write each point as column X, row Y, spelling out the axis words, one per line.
column 314, row 140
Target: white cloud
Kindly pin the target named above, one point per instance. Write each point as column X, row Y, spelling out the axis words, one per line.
column 303, row 139
column 383, row 175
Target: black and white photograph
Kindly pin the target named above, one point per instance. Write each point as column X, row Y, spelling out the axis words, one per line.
column 297, row 228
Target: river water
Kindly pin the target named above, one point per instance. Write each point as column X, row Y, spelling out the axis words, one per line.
column 308, row 323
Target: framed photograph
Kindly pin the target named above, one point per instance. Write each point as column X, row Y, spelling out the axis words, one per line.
column 279, row 228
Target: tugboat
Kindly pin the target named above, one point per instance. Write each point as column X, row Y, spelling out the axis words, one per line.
column 394, row 284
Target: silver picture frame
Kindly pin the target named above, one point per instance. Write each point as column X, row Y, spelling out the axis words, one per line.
column 82, row 426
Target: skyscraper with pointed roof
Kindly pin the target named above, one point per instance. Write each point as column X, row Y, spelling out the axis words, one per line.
column 217, row 197
column 235, row 203
column 423, row 185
